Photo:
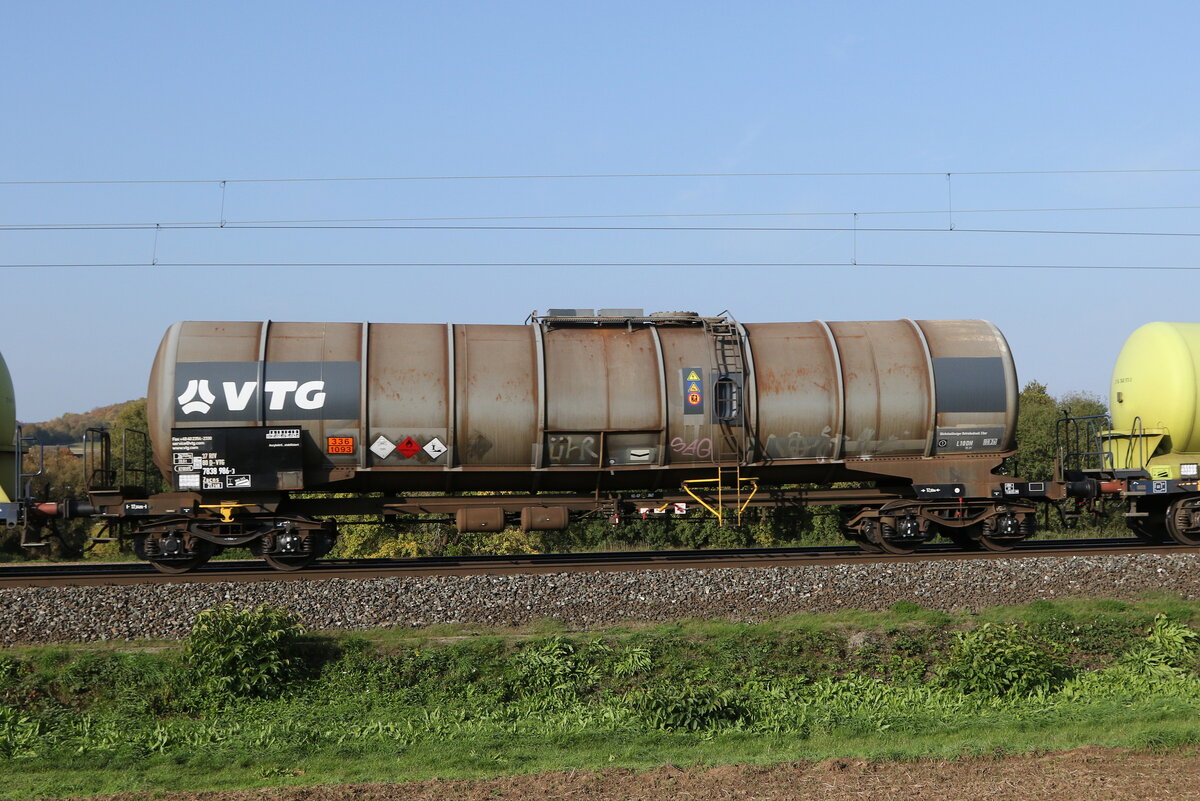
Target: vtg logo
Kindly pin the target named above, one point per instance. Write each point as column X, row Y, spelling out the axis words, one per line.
column 199, row 397
column 241, row 391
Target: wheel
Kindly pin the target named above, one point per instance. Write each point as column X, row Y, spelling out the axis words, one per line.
column 1000, row 533
column 882, row 535
column 999, row 544
column 1151, row 529
column 867, row 545
column 864, row 535
column 289, row 549
column 289, row 563
column 1181, row 523
column 176, row 566
column 853, row 532
column 202, row 551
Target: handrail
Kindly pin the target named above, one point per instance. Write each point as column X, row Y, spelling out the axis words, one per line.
column 97, row 447
column 1078, row 443
column 22, row 487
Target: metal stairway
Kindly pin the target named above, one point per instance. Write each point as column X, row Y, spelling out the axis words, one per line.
column 729, row 385
column 729, row 488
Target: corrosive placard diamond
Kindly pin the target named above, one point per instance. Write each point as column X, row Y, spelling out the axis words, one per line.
column 382, row 447
column 435, row 448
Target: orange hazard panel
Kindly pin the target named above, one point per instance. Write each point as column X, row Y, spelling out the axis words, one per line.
column 339, row 444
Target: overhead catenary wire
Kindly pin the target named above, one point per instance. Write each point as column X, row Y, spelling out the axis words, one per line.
column 77, row 225
column 846, row 264
column 461, row 223
column 595, row 175
column 230, row 225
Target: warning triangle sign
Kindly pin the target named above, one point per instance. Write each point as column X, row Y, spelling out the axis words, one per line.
column 693, row 387
column 692, row 376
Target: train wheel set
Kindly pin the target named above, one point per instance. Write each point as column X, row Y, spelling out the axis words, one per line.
column 269, row 433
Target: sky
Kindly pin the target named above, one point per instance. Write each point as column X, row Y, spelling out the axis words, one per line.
column 1072, row 107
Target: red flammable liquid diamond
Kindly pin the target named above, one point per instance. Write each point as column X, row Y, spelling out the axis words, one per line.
column 408, row 448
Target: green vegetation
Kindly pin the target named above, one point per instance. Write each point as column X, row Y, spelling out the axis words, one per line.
column 247, row 701
column 243, row 653
column 68, row 429
column 62, row 478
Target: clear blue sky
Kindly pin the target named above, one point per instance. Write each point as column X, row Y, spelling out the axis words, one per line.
column 284, row 90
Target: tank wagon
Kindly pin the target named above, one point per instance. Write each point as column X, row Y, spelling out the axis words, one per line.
column 1148, row 453
column 267, row 433
column 9, row 463
column 256, row 424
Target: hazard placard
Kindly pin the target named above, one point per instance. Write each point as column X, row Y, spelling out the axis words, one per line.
column 382, row 447
column 435, row 448
column 408, row 448
column 693, row 390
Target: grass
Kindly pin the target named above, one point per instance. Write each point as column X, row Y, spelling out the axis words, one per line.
column 482, row 756
column 467, row 701
column 1128, row 616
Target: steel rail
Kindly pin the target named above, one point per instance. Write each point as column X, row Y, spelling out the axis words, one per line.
column 617, row 561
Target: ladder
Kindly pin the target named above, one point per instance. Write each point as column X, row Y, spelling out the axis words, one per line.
column 730, row 487
column 30, row 534
column 103, row 478
column 730, row 383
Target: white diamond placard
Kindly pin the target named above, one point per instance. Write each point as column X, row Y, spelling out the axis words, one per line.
column 434, row 448
column 382, row 447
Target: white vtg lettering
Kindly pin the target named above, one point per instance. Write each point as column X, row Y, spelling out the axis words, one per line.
column 307, row 395
column 237, row 401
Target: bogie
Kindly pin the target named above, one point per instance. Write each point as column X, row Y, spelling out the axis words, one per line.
column 1183, row 521
column 173, row 550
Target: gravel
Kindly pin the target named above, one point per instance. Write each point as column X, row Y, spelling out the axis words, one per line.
column 583, row 600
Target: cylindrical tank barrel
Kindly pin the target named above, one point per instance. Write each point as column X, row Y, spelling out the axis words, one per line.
column 1156, row 384
column 568, row 404
column 8, row 430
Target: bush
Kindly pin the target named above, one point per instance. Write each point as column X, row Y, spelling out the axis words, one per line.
column 690, row 708
column 556, row 665
column 19, row 734
column 1168, row 646
column 1002, row 661
column 243, row 652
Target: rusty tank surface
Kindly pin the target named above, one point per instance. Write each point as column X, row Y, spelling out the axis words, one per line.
column 575, row 401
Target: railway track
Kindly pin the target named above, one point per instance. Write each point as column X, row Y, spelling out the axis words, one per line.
column 43, row 574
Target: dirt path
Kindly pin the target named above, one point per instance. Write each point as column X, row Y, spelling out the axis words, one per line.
column 1089, row 773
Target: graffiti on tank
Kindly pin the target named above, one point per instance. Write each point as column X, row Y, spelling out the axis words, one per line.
column 573, row 449
column 798, row 446
column 701, row 447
